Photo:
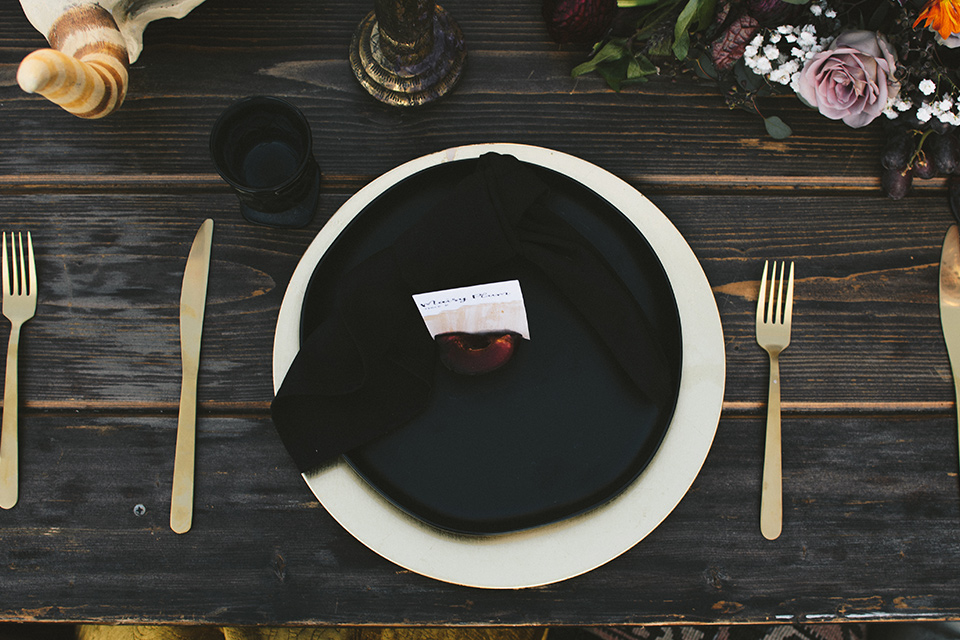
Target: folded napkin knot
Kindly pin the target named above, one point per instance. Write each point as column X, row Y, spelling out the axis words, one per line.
column 368, row 367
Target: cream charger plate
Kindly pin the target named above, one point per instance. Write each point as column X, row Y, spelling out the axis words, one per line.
column 578, row 544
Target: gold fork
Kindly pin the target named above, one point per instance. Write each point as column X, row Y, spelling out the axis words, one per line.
column 774, row 317
column 19, row 305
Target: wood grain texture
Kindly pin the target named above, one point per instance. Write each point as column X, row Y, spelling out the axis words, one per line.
column 517, row 88
column 866, row 329
column 870, row 510
column 872, row 502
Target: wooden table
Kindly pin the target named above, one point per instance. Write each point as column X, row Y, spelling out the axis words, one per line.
column 872, row 502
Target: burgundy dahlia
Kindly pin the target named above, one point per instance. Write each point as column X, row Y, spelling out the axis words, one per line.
column 578, row 21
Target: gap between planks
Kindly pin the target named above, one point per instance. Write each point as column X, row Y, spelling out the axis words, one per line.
column 730, row 409
column 691, row 184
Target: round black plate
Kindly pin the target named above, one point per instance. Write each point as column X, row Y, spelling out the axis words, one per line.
column 559, row 429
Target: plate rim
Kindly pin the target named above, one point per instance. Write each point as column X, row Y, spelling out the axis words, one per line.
column 570, row 547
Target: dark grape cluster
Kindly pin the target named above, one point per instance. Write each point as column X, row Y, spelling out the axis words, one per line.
column 909, row 153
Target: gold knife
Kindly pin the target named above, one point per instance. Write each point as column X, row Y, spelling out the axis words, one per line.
column 193, row 296
column 950, row 304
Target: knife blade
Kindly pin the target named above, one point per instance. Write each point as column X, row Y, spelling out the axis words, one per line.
column 950, row 305
column 193, row 296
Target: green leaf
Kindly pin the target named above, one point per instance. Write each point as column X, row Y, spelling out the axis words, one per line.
column 613, row 50
column 796, row 1
column 705, row 68
column 749, row 80
column 614, row 80
column 681, row 45
column 627, row 4
column 647, row 67
column 777, row 128
column 705, row 14
column 660, row 47
column 626, row 70
column 698, row 12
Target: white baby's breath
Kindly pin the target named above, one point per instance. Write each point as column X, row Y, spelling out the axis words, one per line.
column 763, row 66
column 901, row 104
column 779, row 54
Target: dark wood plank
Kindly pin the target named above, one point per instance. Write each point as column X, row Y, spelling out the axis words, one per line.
column 668, row 134
column 866, row 331
column 871, row 507
column 872, row 501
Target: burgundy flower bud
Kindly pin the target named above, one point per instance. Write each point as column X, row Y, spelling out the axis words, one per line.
column 773, row 12
column 578, row 21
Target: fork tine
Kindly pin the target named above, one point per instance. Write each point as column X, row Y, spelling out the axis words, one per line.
column 783, row 272
column 772, row 297
column 788, row 310
column 761, row 298
column 6, row 268
column 22, row 283
column 32, row 267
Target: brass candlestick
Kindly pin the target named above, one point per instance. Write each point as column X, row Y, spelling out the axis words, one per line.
column 407, row 52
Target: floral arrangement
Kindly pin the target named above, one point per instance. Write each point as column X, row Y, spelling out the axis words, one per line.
column 896, row 62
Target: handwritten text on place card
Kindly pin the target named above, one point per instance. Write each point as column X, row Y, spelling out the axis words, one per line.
column 483, row 308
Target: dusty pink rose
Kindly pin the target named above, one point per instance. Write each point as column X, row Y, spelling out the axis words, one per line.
column 852, row 80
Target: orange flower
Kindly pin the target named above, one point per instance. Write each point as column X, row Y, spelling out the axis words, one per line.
column 943, row 16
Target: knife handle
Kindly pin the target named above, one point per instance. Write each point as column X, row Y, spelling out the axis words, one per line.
column 181, row 501
column 956, row 395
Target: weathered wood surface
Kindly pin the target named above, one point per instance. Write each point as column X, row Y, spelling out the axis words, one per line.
column 872, row 502
column 517, row 88
column 870, row 514
column 106, row 335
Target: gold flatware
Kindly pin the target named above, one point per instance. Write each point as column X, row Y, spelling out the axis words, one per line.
column 193, row 296
column 774, row 317
column 950, row 303
column 19, row 305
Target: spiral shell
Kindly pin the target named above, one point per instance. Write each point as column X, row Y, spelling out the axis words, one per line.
column 92, row 43
column 86, row 71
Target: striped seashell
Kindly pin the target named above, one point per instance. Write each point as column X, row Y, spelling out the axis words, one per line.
column 86, row 71
column 92, row 43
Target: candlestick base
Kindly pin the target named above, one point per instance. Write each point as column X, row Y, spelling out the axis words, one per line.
column 408, row 80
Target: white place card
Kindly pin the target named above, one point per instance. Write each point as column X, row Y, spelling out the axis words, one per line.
column 482, row 308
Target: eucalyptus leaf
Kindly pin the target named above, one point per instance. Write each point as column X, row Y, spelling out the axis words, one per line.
column 797, row 1
column 777, row 128
column 748, row 79
column 705, row 68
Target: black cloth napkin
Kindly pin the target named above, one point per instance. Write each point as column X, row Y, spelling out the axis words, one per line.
column 369, row 367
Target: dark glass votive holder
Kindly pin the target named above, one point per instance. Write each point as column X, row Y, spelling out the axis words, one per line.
column 263, row 148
